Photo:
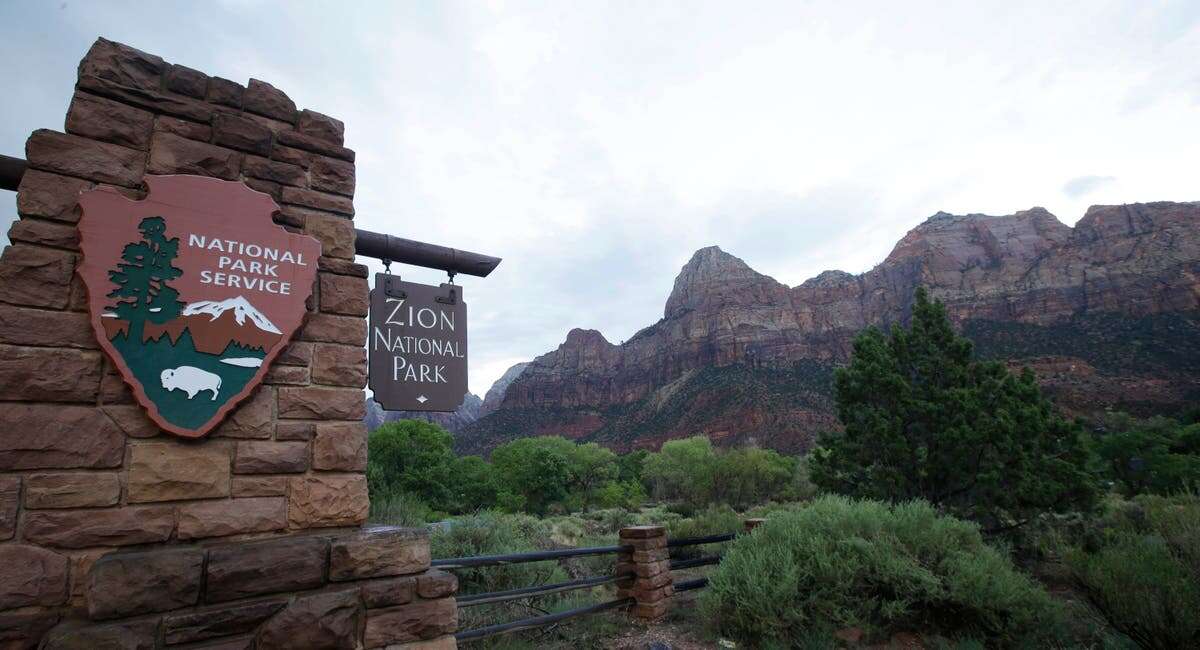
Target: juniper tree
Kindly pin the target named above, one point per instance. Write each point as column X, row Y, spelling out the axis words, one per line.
column 141, row 277
column 923, row 419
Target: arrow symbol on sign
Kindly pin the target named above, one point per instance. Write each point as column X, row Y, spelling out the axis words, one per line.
column 422, row 399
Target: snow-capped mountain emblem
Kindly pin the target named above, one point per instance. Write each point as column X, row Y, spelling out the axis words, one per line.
column 242, row 309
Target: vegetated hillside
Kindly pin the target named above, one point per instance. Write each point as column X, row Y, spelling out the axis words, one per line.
column 1107, row 313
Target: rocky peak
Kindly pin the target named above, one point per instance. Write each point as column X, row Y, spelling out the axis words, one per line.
column 495, row 394
column 710, row 275
column 949, row 242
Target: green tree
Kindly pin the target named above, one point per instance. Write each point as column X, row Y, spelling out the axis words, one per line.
column 142, row 293
column 472, row 485
column 1155, row 456
column 924, row 420
column 533, row 473
column 591, row 467
column 683, row 470
column 411, row 456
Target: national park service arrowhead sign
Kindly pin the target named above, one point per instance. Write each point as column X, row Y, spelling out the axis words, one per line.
column 193, row 292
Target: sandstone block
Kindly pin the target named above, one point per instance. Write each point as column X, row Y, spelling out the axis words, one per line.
column 41, row 327
column 131, row 419
column 317, row 403
column 253, row 418
column 386, row 592
column 656, row 555
column 222, row 517
column 642, row 532
column 340, row 365
column 217, row 621
column 329, row 328
column 291, row 155
column 270, row 457
column 128, row 635
column 341, row 267
column 652, row 611
column 297, row 353
column 436, row 584
column 31, row 576
column 332, row 175
column 126, row 584
column 424, row 619
column 72, row 490
column 56, row 436
column 49, row 374
column 81, row 566
column 644, row 544
column 10, row 504
column 243, row 570
column 287, row 376
column 183, row 128
column 171, row 154
column 72, row 155
column 122, row 64
column 103, row 119
column 321, row 126
column 241, row 133
column 379, row 552
column 151, row 100
column 225, row 92
column 318, row 200
column 274, row 170
column 172, row 471
column 290, row 430
column 335, row 233
column 344, row 294
column 340, row 446
column 45, row 233
column 260, row 486
column 51, row 196
column 446, row 642
column 99, row 527
column 263, row 98
column 22, row 629
column 273, row 190
column 320, row 621
column 186, row 81
column 316, row 145
column 327, row 500
column 36, row 276
column 114, row 390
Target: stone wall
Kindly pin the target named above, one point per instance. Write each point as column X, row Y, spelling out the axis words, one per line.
column 84, row 472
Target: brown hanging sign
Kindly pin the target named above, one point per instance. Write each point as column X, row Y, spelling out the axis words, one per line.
column 418, row 345
column 193, row 292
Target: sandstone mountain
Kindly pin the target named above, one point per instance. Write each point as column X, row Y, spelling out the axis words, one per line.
column 1106, row 313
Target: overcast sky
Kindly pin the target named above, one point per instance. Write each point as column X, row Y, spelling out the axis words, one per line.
column 595, row 145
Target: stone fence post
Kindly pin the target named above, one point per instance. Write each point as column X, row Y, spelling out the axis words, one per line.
column 652, row 587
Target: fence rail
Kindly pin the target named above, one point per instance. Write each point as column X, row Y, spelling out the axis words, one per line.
column 531, row 556
column 473, row 600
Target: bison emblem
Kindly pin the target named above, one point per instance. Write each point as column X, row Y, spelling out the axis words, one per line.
column 191, row 380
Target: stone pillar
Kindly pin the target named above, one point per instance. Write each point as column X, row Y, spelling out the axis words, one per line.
column 751, row 524
column 84, row 472
column 652, row 587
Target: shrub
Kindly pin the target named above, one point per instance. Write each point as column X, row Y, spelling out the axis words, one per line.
column 883, row 568
column 715, row 520
column 396, row 508
column 1144, row 576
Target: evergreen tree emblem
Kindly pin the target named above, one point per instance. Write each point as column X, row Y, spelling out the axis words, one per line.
column 141, row 277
